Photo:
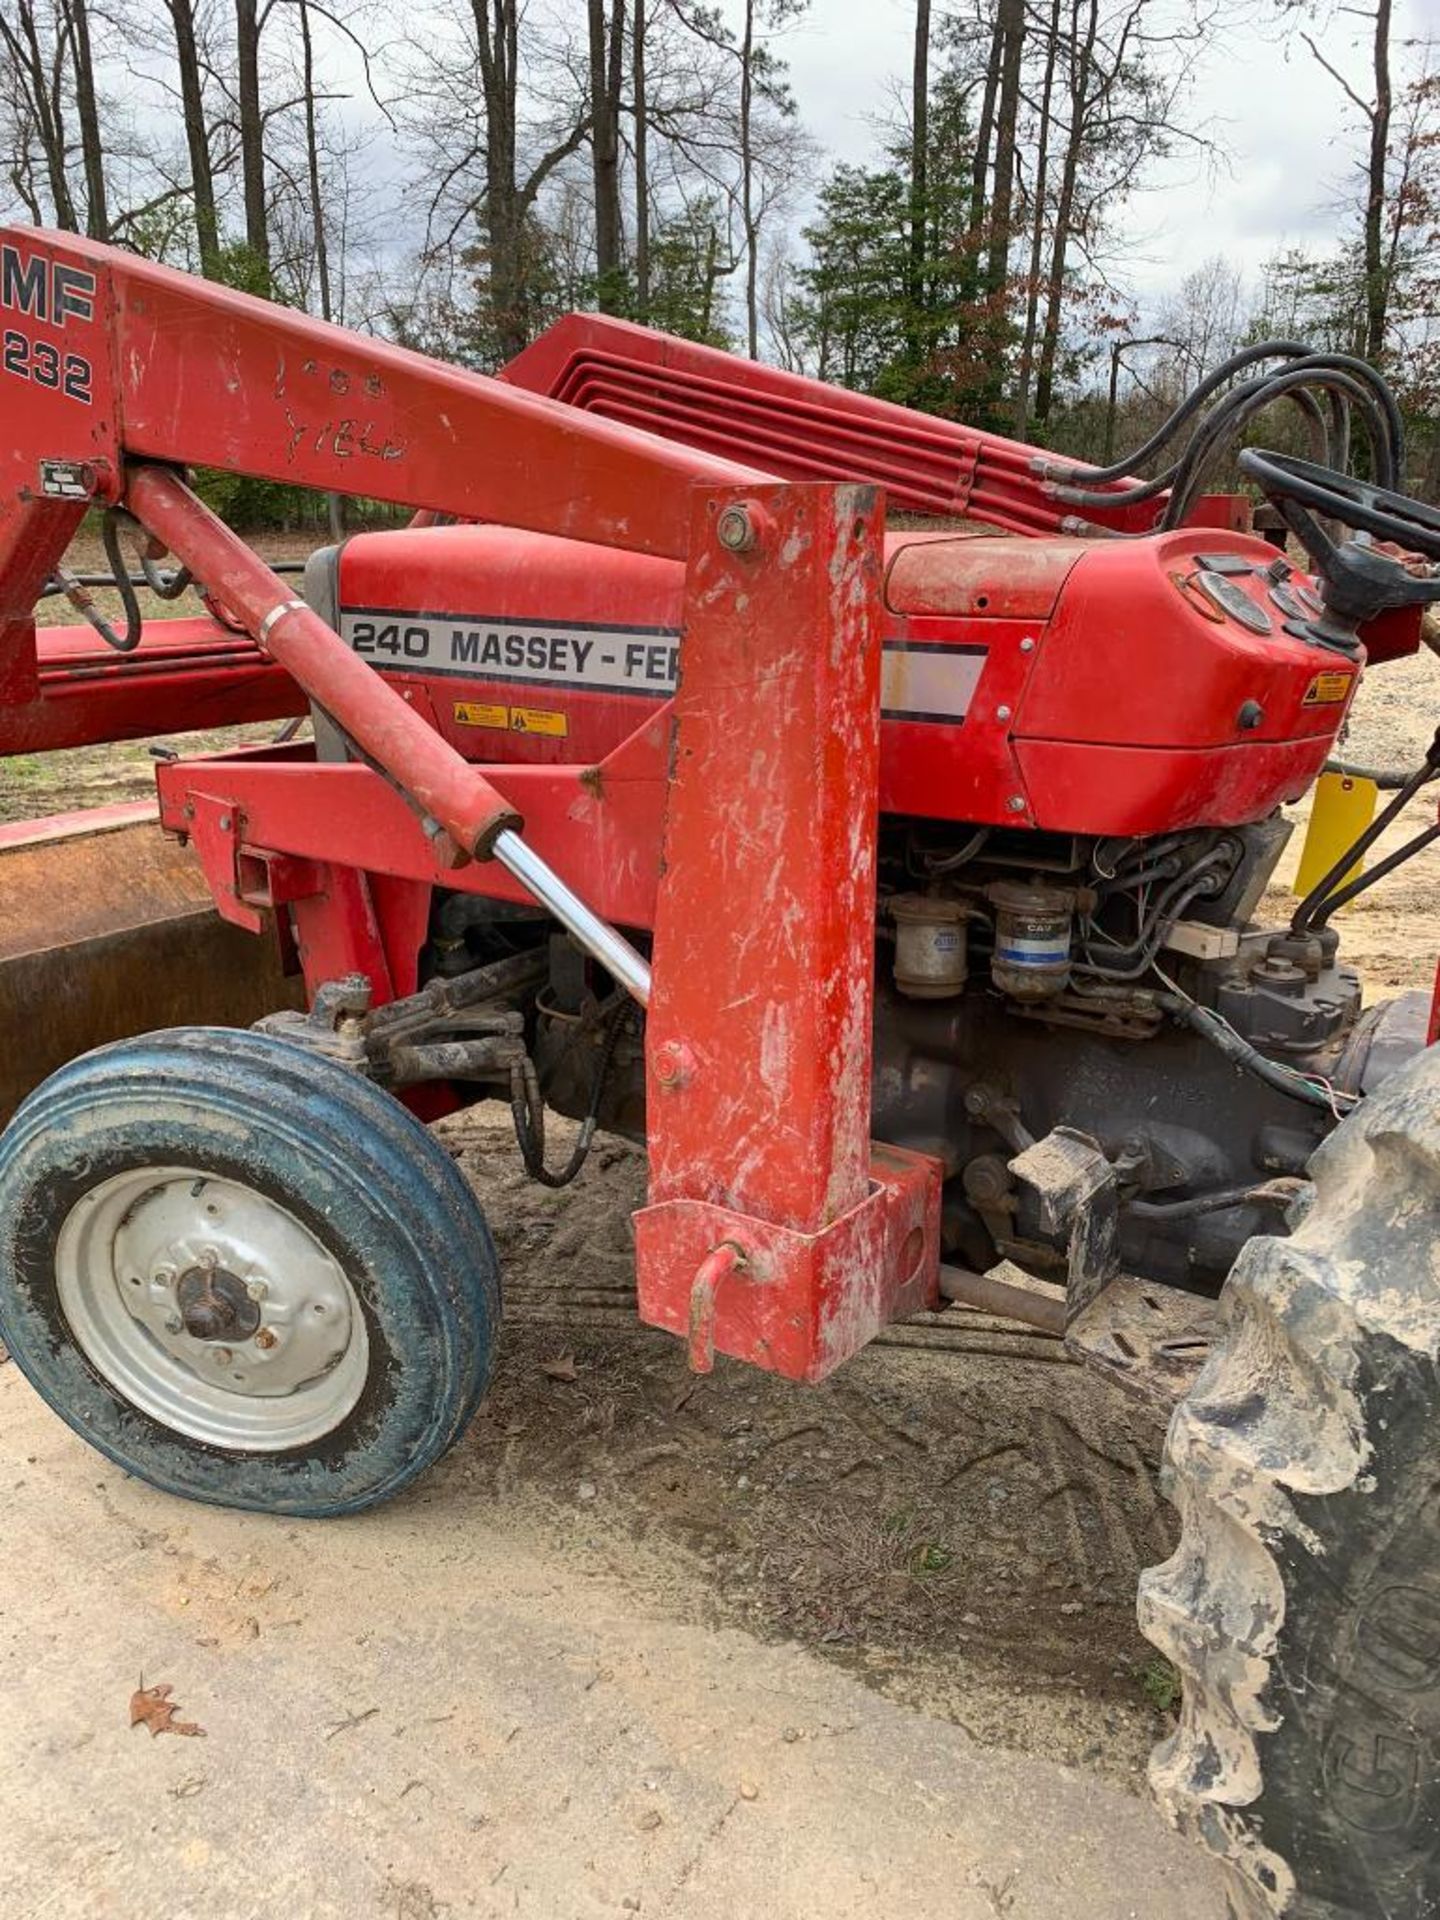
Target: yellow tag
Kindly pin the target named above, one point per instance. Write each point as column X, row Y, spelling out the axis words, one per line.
column 537, row 720
column 1328, row 689
column 1344, row 806
column 469, row 714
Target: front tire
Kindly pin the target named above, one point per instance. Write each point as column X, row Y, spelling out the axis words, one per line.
column 243, row 1273
column 1302, row 1606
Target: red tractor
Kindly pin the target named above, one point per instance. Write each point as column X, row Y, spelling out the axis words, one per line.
column 897, row 888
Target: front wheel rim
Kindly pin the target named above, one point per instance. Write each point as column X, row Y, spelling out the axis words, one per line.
column 212, row 1308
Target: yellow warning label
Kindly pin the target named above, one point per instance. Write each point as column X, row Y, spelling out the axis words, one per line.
column 538, row 720
column 468, row 713
column 1328, row 689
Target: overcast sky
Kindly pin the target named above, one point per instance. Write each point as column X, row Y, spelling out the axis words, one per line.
column 1286, row 125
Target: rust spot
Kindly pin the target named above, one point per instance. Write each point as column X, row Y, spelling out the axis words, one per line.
column 592, row 779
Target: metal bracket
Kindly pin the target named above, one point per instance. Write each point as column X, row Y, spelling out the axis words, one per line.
column 1079, row 1195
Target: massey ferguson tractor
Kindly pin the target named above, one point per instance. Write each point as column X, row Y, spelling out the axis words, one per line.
column 898, row 889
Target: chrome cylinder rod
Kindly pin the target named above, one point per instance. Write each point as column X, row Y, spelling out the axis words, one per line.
column 589, row 931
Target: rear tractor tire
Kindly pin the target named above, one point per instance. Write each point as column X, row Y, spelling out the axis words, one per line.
column 243, row 1273
column 1302, row 1606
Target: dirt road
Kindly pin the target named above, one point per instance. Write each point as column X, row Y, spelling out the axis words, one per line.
column 514, row 1691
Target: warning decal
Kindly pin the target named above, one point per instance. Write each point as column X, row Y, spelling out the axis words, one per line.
column 1328, row 689
column 476, row 713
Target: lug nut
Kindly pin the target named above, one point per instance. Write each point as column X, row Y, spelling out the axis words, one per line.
column 266, row 1338
column 256, row 1289
column 222, row 1356
column 174, row 1324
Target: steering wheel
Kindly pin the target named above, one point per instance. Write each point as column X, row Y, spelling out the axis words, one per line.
column 1359, row 582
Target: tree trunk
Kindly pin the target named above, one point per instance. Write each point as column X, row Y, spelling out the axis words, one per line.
column 1037, row 226
column 985, row 130
column 606, row 57
column 1010, row 21
column 1082, row 54
column 197, row 134
column 919, row 182
column 46, row 105
column 97, row 217
column 747, row 184
column 1377, row 289
column 642, row 164
column 312, row 158
column 252, row 129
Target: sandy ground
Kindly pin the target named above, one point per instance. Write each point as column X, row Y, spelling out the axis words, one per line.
column 487, row 1699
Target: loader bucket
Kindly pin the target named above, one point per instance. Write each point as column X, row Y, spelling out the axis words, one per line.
column 107, row 930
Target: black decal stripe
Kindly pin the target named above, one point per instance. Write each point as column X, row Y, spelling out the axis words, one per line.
column 517, row 623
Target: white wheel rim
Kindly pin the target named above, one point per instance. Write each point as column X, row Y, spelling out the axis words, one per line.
column 289, row 1368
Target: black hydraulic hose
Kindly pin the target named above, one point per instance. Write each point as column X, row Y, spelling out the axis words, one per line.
column 1387, row 779
column 1347, row 380
column 1248, row 357
column 527, row 1109
column 1305, row 914
column 1269, row 1194
column 1284, row 1079
column 134, row 619
column 1167, row 910
column 1329, row 451
column 1344, row 895
column 1244, row 402
column 165, row 586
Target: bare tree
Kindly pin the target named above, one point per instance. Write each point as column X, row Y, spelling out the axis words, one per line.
column 607, row 77
column 768, row 163
column 919, row 154
column 1376, row 107
column 184, row 29
column 87, row 112
column 38, row 46
column 250, row 20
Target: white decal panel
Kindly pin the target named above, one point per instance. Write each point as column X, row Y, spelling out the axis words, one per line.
column 593, row 659
column 934, row 683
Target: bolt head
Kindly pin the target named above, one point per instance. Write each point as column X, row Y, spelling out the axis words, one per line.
column 174, row 1324
column 266, row 1338
column 1027, row 645
column 1002, row 713
column 165, row 1276
column 1016, row 803
column 222, row 1356
column 256, row 1289
column 735, row 530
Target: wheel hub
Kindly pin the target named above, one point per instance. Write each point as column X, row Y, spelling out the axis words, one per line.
column 212, row 1308
column 214, row 1305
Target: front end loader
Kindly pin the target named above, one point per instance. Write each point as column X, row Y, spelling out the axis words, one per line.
column 898, row 888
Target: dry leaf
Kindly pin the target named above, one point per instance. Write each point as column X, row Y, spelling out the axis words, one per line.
column 150, row 1707
column 562, row 1367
